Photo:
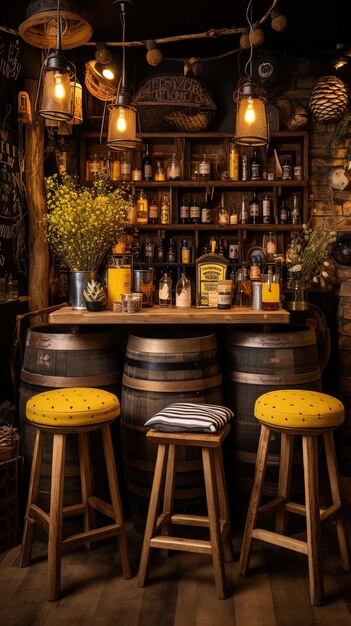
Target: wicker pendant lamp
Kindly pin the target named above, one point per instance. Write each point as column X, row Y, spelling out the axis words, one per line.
column 40, row 26
column 122, row 131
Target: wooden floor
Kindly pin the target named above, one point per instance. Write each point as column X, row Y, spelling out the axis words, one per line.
column 180, row 591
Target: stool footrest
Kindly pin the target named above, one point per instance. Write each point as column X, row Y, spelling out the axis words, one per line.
column 190, row 520
column 280, row 540
column 39, row 516
column 200, row 546
column 74, row 509
column 100, row 505
column 271, row 506
column 90, row 535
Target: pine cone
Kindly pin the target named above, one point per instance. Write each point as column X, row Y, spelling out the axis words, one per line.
column 329, row 99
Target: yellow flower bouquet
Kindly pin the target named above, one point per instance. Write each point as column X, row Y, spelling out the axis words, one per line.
column 83, row 222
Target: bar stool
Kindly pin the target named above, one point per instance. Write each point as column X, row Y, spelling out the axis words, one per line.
column 306, row 414
column 158, row 528
column 63, row 412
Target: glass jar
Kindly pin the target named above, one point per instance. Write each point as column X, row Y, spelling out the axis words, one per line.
column 173, row 168
column 223, row 213
column 270, row 291
column 94, row 167
column 269, row 245
column 204, row 168
column 165, row 292
column 225, row 294
column 183, row 292
column 159, row 173
column 12, row 288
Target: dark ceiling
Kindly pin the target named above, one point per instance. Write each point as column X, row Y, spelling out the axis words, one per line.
column 312, row 29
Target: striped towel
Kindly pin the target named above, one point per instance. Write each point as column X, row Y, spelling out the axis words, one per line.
column 183, row 417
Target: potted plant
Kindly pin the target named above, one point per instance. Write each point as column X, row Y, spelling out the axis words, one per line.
column 95, row 297
column 81, row 225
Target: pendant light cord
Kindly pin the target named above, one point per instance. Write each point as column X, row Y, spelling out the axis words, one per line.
column 58, row 39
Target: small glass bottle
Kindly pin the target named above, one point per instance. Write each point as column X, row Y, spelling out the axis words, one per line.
column 183, row 292
column 147, row 164
column 12, row 288
column 160, row 252
column 136, row 247
column 142, row 207
column 295, row 215
column 204, row 168
column 194, row 211
column 184, row 212
column 243, row 215
column 136, row 174
column 153, row 211
column 267, row 217
column 234, row 250
column 126, row 169
column 165, row 292
column 255, row 166
column 286, row 169
column 255, row 270
column 234, row 162
column 222, row 213
column 206, row 213
column 131, row 217
column 149, row 251
column 94, row 167
column 254, row 209
column 159, row 173
column 173, row 168
column 115, row 168
column 284, row 213
column 269, row 245
column 171, row 252
column 165, row 210
column 185, row 251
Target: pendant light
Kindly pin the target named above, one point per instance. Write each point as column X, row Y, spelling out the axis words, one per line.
column 251, row 128
column 122, row 123
column 56, row 76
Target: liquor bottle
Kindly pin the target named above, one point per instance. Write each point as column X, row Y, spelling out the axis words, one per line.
column 254, row 209
column 244, row 167
column 126, row 169
column 255, row 166
column 136, row 247
column 267, row 217
column 234, row 250
column 149, row 251
column 234, row 162
column 160, row 252
column 243, row 215
column 165, row 210
column 171, row 252
column 295, row 216
column 159, row 173
column 269, row 245
column 286, row 169
column 142, row 207
column 222, row 213
column 206, row 213
column 184, row 212
column 194, row 211
column 131, row 217
column 284, row 213
column 153, row 211
column 204, row 168
column 147, row 164
column 115, row 168
column 255, row 270
column 165, row 292
column 185, row 252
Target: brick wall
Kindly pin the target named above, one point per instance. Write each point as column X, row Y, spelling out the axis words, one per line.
column 326, row 204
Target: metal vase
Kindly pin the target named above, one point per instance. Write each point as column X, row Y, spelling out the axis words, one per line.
column 77, row 284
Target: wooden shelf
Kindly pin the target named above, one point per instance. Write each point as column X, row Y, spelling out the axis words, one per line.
column 155, row 316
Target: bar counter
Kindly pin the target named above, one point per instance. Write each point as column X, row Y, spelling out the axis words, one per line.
column 156, row 316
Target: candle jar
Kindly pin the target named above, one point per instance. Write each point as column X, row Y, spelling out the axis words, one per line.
column 225, row 294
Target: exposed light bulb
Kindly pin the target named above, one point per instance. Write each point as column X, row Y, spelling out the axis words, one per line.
column 340, row 63
column 107, row 73
column 250, row 114
column 121, row 120
column 59, row 90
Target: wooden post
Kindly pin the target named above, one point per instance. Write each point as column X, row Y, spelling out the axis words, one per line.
column 38, row 277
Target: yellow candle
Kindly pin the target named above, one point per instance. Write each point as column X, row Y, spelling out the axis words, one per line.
column 270, row 296
column 119, row 280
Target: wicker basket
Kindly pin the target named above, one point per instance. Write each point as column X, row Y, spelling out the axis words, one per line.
column 40, row 27
column 10, row 451
column 98, row 86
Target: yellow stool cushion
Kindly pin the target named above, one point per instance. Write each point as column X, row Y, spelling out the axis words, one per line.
column 75, row 406
column 296, row 408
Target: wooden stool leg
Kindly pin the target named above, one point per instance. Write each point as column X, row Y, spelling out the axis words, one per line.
column 214, row 524
column 168, row 497
column 284, row 480
column 152, row 514
column 86, row 483
column 335, row 492
column 224, row 512
column 116, row 499
column 314, row 551
column 29, row 523
column 256, row 493
column 55, row 524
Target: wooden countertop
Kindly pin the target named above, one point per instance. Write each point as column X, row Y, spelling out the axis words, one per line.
column 155, row 315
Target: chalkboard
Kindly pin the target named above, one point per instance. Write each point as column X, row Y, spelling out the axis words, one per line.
column 12, row 201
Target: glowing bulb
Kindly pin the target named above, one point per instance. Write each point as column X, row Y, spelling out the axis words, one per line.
column 250, row 115
column 108, row 73
column 121, row 121
column 59, row 89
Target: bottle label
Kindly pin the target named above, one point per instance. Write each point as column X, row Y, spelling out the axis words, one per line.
column 205, row 215
column 184, row 212
column 254, row 209
column 234, row 165
column 147, row 171
column 153, row 211
column 266, row 207
column 204, row 168
column 194, row 211
column 233, row 251
column 125, row 169
column 244, row 167
column 164, row 214
column 255, row 171
column 286, row 172
column 185, row 255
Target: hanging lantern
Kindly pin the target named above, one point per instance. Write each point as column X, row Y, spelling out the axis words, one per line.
column 77, row 99
column 55, row 85
column 251, row 128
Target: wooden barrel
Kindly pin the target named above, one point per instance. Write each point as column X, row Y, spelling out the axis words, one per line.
column 158, row 372
column 255, row 362
column 67, row 356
